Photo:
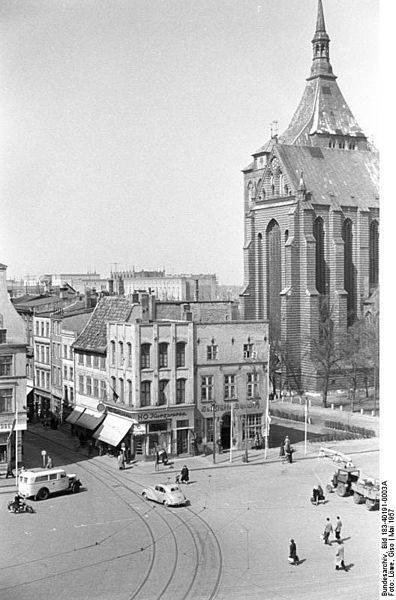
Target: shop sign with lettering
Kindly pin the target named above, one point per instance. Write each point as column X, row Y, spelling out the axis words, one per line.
column 159, row 416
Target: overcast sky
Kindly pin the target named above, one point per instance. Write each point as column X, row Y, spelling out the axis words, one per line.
column 125, row 123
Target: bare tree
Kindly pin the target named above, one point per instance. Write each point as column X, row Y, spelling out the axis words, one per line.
column 362, row 351
column 326, row 351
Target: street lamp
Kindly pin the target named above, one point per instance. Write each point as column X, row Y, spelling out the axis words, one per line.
column 214, row 430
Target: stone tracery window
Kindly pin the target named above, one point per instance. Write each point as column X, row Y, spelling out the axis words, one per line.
column 320, row 264
column 373, row 254
column 349, row 270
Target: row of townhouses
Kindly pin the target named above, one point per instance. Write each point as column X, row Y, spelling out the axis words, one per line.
column 132, row 370
column 146, row 380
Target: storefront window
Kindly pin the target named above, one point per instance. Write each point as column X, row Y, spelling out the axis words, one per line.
column 251, row 426
column 209, row 429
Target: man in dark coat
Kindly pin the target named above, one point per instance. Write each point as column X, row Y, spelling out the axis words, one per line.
column 184, row 475
column 293, row 558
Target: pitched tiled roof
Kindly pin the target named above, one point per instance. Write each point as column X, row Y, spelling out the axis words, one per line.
column 76, row 323
column 109, row 308
column 335, row 177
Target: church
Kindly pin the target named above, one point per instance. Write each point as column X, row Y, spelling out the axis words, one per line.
column 311, row 222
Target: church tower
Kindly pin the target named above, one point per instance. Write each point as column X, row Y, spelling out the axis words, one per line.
column 311, row 212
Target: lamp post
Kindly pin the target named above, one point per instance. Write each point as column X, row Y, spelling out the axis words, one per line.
column 214, row 430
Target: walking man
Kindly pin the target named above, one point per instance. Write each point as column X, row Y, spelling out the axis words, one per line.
column 121, row 461
column 327, row 530
column 293, row 558
column 339, row 558
column 337, row 529
column 50, row 463
column 9, row 470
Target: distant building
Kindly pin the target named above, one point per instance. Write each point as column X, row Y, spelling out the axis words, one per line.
column 13, row 344
column 166, row 287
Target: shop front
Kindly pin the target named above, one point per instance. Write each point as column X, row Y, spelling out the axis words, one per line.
column 236, row 425
column 170, row 428
column 11, row 437
column 114, row 433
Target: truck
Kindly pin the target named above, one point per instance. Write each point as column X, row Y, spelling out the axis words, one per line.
column 348, row 481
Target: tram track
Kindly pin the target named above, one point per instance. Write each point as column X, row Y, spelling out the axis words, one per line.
column 202, row 579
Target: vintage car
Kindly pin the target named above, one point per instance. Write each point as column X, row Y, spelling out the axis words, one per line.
column 165, row 493
column 40, row 483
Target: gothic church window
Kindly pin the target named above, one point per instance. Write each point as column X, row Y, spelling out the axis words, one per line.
column 373, row 250
column 349, row 270
column 274, row 278
column 320, row 264
column 260, row 278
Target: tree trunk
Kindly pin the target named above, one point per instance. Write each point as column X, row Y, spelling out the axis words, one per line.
column 325, row 390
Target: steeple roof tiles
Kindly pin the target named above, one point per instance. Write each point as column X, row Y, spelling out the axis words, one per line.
column 336, row 178
column 322, row 110
column 109, row 308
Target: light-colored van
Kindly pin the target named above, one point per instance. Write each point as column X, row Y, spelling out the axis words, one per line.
column 40, row 483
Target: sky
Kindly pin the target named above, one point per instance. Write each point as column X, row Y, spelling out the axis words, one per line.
column 125, row 123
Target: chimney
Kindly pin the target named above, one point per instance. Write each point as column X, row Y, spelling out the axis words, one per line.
column 152, row 311
column 144, row 303
column 87, row 298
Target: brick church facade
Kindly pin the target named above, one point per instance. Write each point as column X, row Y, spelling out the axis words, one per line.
column 311, row 217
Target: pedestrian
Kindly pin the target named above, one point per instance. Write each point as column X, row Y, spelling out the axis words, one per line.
column 282, row 451
column 157, row 460
column 293, row 558
column 185, row 476
column 327, row 530
column 9, row 470
column 337, row 529
column 315, row 495
column 288, row 450
column 339, row 557
column 50, row 463
column 121, row 461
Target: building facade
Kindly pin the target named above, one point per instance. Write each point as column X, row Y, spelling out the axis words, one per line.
column 231, row 383
column 311, row 216
column 185, row 287
column 13, row 345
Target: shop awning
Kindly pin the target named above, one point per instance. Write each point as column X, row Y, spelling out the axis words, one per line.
column 90, row 419
column 113, row 429
column 75, row 414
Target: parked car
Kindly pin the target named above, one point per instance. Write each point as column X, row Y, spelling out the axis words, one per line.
column 40, row 483
column 165, row 493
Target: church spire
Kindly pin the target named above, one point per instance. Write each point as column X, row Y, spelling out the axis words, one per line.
column 320, row 22
column 320, row 45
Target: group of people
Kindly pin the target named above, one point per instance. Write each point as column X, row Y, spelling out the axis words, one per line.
column 328, row 530
column 286, row 450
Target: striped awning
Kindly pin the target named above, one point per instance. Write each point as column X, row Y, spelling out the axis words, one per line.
column 75, row 414
column 90, row 419
column 113, row 430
